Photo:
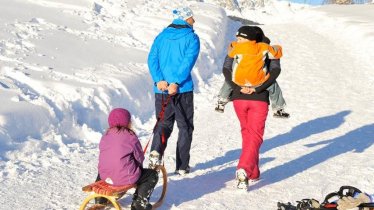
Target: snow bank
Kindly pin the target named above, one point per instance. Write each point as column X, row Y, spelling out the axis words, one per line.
column 65, row 65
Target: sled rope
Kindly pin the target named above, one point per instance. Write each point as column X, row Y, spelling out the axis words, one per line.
column 160, row 117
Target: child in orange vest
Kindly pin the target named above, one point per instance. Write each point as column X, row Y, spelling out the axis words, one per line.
column 250, row 53
column 249, row 69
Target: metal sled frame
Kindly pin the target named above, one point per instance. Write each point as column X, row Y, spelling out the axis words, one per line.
column 101, row 189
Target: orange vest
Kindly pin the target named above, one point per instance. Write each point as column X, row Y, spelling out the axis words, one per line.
column 249, row 62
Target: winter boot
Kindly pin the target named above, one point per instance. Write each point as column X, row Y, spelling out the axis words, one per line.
column 154, row 160
column 140, row 203
column 182, row 172
column 102, row 201
column 241, row 178
column 221, row 105
column 280, row 113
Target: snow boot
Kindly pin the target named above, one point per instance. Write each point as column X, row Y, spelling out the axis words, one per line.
column 241, row 178
column 182, row 172
column 140, row 203
column 280, row 113
column 154, row 160
column 221, row 105
column 102, row 201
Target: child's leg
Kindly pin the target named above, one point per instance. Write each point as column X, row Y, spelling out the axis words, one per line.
column 225, row 92
column 223, row 97
column 276, row 97
column 145, row 185
column 100, row 200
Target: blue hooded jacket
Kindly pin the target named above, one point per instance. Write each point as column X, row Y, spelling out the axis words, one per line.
column 173, row 55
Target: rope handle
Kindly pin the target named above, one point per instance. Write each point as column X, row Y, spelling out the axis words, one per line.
column 160, row 117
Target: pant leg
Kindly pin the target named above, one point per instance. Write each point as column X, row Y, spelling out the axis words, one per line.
column 252, row 116
column 184, row 113
column 146, row 184
column 276, row 97
column 164, row 126
column 225, row 91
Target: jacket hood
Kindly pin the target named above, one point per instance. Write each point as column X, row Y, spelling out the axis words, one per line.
column 182, row 29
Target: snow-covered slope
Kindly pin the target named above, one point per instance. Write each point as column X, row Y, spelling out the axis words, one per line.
column 65, row 64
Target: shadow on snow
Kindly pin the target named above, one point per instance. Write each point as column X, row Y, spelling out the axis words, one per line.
column 357, row 140
column 305, row 130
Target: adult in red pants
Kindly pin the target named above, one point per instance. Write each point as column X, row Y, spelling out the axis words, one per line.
column 252, row 116
column 251, row 107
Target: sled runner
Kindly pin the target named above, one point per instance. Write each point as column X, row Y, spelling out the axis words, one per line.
column 101, row 189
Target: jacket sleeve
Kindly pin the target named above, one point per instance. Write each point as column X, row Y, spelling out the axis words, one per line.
column 153, row 63
column 275, row 51
column 138, row 151
column 274, row 69
column 189, row 59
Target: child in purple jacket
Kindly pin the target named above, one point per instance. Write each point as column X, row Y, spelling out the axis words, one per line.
column 121, row 160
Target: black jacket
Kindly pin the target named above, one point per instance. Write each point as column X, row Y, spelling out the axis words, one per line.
column 261, row 93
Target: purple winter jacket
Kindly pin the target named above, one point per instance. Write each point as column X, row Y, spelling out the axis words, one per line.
column 121, row 157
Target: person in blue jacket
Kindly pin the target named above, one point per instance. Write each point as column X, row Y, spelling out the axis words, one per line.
column 170, row 62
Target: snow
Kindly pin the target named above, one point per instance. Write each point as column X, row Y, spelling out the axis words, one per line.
column 65, row 64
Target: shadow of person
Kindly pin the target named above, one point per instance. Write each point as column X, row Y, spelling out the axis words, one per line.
column 357, row 140
column 304, row 130
column 191, row 188
column 214, row 180
column 301, row 131
column 229, row 156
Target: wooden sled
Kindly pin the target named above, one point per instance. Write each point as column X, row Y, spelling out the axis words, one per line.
column 101, row 189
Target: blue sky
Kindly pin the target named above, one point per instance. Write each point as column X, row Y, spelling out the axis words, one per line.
column 319, row 2
column 312, row 2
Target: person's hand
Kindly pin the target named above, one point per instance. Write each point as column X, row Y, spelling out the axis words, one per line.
column 251, row 90
column 162, row 85
column 248, row 90
column 173, row 89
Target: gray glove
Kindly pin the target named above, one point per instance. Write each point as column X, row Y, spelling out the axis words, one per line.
column 346, row 203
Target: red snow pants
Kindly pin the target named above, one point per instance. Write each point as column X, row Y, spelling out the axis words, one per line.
column 252, row 116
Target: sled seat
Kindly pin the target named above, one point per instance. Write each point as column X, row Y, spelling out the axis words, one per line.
column 103, row 188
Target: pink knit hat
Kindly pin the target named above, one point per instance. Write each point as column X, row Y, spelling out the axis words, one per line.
column 119, row 117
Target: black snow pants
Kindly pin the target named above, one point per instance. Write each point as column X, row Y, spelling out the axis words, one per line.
column 181, row 109
column 145, row 185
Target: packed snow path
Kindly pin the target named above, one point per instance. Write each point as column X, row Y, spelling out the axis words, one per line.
column 327, row 142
